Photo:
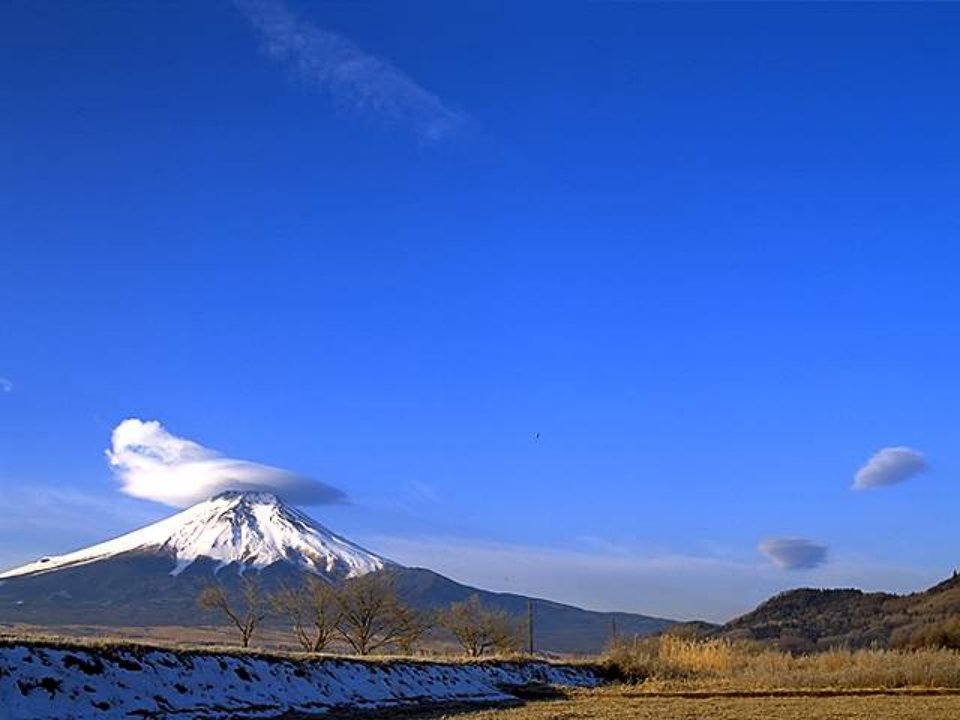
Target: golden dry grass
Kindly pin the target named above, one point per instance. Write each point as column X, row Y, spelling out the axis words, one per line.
column 672, row 663
column 623, row 703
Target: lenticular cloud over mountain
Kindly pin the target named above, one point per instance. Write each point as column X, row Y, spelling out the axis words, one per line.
column 154, row 464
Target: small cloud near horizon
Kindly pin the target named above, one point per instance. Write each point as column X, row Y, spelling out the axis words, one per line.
column 353, row 78
column 153, row 464
column 793, row 553
column 889, row 466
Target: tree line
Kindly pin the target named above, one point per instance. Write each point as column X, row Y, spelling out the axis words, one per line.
column 366, row 614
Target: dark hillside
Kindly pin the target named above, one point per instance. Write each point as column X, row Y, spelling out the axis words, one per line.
column 808, row 620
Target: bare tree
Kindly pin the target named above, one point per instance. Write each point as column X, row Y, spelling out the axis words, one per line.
column 246, row 615
column 479, row 629
column 371, row 616
column 313, row 611
column 414, row 624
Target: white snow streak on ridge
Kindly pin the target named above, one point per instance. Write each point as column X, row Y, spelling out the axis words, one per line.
column 254, row 529
column 41, row 683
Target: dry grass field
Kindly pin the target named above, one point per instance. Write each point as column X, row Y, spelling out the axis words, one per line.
column 672, row 678
column 669, row 663
column 625, row 703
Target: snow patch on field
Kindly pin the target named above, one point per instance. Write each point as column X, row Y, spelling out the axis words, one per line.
column 40, row 682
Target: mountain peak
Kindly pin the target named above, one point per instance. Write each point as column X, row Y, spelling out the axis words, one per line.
column 250, row 496
column 247, row 529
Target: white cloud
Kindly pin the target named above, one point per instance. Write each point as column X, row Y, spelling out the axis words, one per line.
column 153, row 464
column 353, row 78
column 889, row 466
column 794, row 553
column 5, row 385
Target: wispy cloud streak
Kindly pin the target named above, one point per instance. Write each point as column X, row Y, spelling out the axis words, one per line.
column 353, row 78
column 5, row 385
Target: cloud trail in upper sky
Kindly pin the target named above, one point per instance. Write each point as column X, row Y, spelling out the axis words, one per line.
column 794, row 553
column 889, row 466
column 153, row 464
column 353, row 78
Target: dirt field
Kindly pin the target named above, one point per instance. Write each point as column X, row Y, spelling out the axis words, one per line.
column 627, row 704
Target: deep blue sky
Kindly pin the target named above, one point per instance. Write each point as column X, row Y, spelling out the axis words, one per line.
column 708, row 252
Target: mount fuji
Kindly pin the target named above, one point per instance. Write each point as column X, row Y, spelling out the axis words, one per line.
column 152, row 576
column 252, row 530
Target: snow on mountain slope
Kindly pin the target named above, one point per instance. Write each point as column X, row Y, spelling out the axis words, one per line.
column 253, row 529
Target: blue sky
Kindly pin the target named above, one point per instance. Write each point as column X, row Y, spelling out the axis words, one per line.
column 707, row 252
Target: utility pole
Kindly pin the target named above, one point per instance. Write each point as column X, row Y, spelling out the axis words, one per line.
column 613, row 628
column 530, row 626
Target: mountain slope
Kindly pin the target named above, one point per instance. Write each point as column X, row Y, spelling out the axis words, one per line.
column 558, row 627
column 806, row 619
column 152, row 576
column 252, row 529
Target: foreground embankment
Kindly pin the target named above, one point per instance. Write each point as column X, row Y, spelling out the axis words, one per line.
column 57, row 681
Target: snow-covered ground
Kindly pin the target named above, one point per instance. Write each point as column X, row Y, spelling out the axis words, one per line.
column 47, row 682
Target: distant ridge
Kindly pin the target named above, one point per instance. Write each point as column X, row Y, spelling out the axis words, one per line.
column 152, row 576
column 808, row 619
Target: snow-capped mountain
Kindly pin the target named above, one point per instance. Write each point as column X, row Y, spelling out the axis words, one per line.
column 252, row 529
column 152, row 576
